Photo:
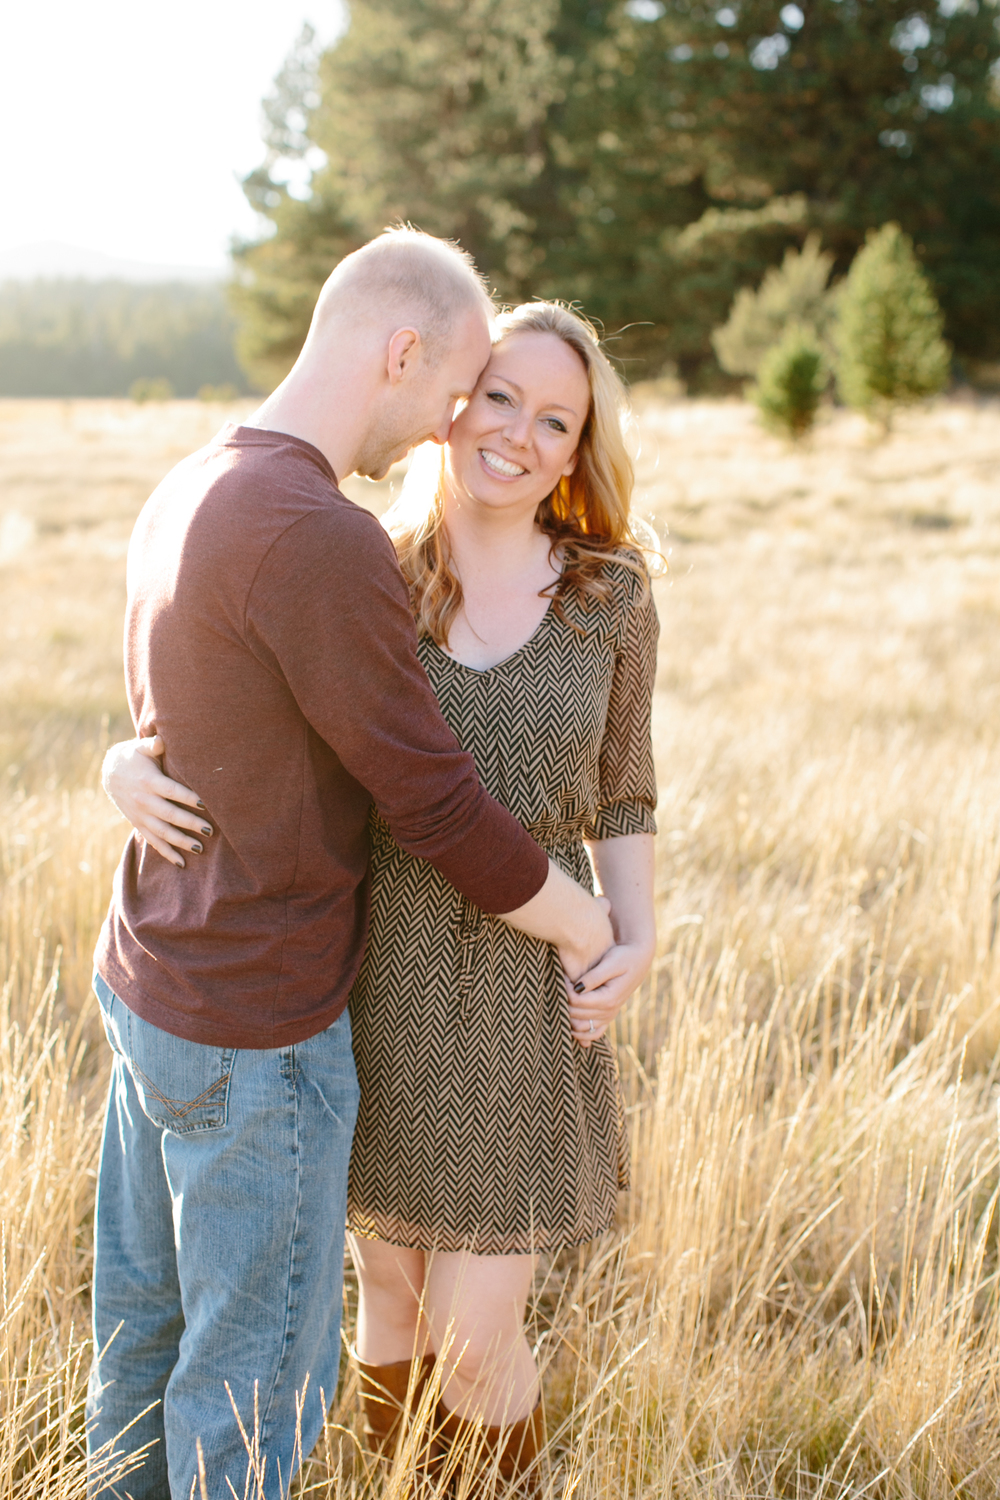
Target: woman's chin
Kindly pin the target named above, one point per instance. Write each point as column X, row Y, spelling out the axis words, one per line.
column 503, row 497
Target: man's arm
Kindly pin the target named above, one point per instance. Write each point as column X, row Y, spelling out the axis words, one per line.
column 330, row 611
column 561, row 912
column 565, row 914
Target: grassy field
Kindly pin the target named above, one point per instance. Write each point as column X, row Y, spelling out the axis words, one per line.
column 803, row 1297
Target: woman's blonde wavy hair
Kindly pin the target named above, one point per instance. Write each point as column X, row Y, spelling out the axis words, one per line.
column 586, row 517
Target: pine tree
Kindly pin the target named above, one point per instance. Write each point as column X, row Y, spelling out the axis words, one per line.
column 648, row 157
column 872, row 110
column 794, row 293
column 790, row 382
column 279, row 276
column 476, row 121
column 888, row 329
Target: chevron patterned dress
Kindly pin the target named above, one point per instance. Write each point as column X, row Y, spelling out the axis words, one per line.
column 483, row 1125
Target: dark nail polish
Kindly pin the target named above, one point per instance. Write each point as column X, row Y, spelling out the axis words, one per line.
column 197, row 849
column 200, row 806
column 579, row 986
column 206, row 830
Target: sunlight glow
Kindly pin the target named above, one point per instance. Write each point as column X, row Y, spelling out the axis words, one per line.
column 137, row 123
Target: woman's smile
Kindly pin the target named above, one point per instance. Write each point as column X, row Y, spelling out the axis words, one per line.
column 501, row 466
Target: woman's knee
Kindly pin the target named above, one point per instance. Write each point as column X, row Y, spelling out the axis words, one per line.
column 477, row 1350
column 390, row 1277
column 476, row 1310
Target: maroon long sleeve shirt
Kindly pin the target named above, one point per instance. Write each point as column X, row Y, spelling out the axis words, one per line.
column 268, row 638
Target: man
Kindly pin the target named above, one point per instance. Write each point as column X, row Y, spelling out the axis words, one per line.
column 269, row 641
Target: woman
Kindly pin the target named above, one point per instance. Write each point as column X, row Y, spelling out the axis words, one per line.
column 491, row 1124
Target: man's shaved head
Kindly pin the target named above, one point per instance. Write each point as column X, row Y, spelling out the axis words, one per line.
column 404, row 278
column 400, row 335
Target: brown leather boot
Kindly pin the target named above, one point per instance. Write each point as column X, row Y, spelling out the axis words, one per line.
column 383, row 1401
column 510, row 1451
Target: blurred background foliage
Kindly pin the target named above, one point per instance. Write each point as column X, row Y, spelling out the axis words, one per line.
column 794, row 292
column 110, row 338
column 649, row 158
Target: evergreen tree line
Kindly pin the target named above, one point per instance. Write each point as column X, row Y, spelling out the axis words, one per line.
column 113, row 338
column 648, row 158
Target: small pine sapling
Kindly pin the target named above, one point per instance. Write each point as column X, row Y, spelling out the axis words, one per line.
column 791, row 379
column 888, row 329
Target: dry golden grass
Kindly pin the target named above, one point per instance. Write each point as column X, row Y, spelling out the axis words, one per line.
column 803, row 1297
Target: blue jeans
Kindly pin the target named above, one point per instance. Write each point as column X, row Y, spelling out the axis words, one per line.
column 219, row 1253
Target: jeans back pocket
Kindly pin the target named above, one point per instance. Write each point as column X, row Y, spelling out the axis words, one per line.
column 182, row 1086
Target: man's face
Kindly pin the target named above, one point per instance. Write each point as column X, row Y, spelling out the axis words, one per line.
column 423, row 405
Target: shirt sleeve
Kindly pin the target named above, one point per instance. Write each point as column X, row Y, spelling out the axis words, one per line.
column 627, row 777
column 329, row 611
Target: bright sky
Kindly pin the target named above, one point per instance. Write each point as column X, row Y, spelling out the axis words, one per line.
column 127, row 124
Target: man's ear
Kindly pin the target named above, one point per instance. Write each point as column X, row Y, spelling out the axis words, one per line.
column 403, row 353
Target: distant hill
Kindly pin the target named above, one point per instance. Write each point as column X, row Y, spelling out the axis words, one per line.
column 52, row 259
column 61, row 337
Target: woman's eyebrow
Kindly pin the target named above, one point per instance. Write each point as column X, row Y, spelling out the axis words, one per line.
column 555, row 405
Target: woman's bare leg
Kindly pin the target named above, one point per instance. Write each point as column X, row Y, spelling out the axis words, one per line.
column 390, row 1283
column 475, row 1306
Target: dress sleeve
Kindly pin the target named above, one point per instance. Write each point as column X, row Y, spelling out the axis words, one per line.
column 627, row 778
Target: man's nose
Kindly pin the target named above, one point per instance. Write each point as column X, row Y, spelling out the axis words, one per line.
column 442, row 430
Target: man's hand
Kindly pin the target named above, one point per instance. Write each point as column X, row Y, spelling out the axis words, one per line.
column 585, row 948
column 565, row 914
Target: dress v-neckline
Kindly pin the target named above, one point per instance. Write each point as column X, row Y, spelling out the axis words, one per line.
column 506, row 661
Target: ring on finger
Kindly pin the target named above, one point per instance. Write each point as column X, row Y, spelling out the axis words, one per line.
column 593, row 1028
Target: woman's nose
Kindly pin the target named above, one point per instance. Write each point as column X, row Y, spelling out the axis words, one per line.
column 518, row 431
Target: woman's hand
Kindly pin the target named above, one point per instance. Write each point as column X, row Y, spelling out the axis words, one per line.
column 597, row 997
column 624, row 870
column 132, row 778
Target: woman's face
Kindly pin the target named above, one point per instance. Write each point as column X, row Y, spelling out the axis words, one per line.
column 519, row 433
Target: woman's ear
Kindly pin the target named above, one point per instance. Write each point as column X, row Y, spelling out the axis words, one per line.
column 572, row 464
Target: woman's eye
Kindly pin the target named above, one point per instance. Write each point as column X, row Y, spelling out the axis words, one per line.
column 498, row 396
column 556, row 425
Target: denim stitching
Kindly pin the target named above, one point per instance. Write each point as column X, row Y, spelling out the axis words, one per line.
column 180, row 1108
column 290, row 1069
